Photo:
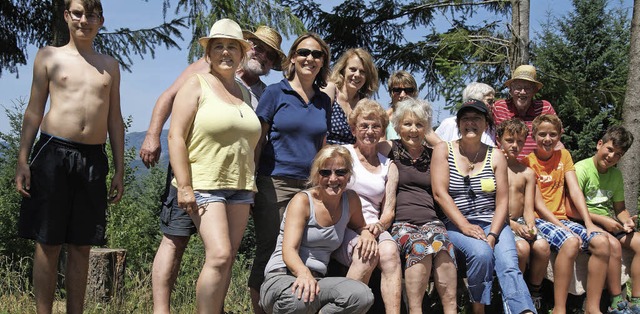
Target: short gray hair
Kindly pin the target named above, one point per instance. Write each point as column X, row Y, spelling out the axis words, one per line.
column 420, row 108
column 476, row 91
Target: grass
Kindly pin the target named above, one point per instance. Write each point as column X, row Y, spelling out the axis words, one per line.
column 16, row 294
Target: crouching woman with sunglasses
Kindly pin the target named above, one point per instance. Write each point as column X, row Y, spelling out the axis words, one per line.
column 470, row 183
column 313, row 227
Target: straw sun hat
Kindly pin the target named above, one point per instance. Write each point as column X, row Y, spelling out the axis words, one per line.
column 524, row 72
column 225, row 28
column 271, row 38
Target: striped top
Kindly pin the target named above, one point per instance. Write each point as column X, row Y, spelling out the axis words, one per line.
column 505, row 109
column 475, row 194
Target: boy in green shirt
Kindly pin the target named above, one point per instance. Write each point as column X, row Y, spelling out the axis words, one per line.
column 603, row 189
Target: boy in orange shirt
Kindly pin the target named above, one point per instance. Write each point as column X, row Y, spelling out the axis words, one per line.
column 556, row 178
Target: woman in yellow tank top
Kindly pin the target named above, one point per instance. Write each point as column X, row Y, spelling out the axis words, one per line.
column 212, row 138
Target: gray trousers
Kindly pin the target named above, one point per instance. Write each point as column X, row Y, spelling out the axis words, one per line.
column 337, row 295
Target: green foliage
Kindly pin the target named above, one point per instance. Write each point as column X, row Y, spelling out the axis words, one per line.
column 249, row 14
column 41, row 23
column 447, row 59
column 10, row 243
column 133, row 222
column 584, row 69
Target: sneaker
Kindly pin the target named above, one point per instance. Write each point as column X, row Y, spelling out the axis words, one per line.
column 633, row 308
column 621, row 308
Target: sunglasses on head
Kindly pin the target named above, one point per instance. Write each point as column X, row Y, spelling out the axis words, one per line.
column 304, row 52
column 467, row 185
column 407, row 90
column 338, row 172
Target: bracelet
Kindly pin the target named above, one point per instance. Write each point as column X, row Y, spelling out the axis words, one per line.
column 495, row 236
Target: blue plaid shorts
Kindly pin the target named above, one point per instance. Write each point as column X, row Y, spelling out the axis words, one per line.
column 556, row 236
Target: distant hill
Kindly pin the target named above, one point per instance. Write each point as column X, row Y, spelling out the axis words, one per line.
column 135, row 139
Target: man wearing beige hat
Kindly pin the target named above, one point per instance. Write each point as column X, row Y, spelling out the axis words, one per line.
column 523, row 86
column 175, row 223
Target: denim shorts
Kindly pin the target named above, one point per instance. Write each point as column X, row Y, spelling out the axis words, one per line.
column 204, row 197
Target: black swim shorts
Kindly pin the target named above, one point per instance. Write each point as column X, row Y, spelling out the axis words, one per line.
column 68, row 193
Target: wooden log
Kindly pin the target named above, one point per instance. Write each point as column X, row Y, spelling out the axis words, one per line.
column 106, row 274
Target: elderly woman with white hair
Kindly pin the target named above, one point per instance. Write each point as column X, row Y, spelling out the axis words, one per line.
column 214, row 132
column 420, row 235
column 448, row 129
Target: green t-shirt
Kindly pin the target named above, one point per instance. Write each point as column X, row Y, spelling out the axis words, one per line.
column 600, row 190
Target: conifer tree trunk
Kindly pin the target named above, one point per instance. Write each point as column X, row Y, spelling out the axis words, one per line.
column 520, row 12
column 630, row 163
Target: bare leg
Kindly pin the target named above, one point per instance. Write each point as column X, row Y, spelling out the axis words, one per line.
column 165, row 269
column 522, row 246
column 632, row 241
column 76, row 273
column 562, row 271
column 45, row 262
column 540, row 252
column 391, row 277
column 445, row 276
column 255, row 301
column 614, row 271
column 478, row 308
column 361, row 269
column 598, row 261
column 416, row 280
column 219, row 226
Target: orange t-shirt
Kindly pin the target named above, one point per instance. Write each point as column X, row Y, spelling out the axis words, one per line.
column 550, row 179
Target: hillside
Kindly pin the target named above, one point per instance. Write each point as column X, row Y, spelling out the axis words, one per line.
column 135, row 139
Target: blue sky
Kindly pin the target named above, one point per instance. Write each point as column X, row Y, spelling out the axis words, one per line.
column 149, row 77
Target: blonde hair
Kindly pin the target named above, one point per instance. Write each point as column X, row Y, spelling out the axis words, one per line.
column 210, row 44
column 321, row 158
column 371, row 84
column 369, row 109
column 550, row 118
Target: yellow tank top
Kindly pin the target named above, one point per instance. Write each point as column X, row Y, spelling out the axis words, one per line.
column 221, row 142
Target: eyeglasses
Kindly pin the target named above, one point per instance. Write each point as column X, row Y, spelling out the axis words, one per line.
column 518, row 88
column 338, row 172
column 77, row 16
column 304, row 52
column 407, row 90
column 366, row 127
column 467, row 185
column 259, row 47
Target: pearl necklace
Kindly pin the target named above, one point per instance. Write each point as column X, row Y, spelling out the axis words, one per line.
column 471, row 162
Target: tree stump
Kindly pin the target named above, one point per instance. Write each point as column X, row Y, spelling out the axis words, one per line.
column 106, row 273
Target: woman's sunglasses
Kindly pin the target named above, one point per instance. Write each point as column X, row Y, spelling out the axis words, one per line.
column 467, row 185
column 304, row 52
column 338, row 172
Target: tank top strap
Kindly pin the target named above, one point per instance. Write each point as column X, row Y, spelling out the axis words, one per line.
column 204, row 85
column 489, row 158
column 312, row 215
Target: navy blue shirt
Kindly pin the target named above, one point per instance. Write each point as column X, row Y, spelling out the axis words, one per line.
column 296, row 130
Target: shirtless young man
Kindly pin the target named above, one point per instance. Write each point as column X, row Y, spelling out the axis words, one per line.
column 64, row 187
column 532, row 249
